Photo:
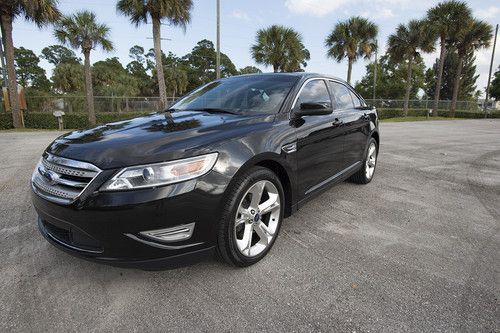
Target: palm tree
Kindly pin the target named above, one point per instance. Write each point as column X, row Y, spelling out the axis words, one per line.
column 406, row 44
column 176, row 81
column 41, row 12
column 280, row 47
column 445, row 18
column 352, row 39
column 473, row 35
column 176, row 12
column 81, row 31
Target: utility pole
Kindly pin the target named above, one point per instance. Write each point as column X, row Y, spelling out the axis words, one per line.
column 217, row 60
column 375, row 73
column 489, row 75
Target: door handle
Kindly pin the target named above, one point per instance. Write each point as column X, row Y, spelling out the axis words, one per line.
column 337, row 122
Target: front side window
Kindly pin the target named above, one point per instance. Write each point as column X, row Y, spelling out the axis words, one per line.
column 243, row 94
column 313, row 92
column 342, row 95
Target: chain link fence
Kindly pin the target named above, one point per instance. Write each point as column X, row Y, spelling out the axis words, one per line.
column 105, row 104
column 102, row 104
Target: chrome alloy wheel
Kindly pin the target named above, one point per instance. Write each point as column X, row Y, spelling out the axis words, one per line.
column 257, row 218
column 371, row 160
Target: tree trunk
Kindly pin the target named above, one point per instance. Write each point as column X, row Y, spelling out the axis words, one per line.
column 349, row 70
column 17, row 116
column 439, row 77
column 89, row 91
column 456, row 86
column 159, row 66
column 408, row 87
column 275, row 68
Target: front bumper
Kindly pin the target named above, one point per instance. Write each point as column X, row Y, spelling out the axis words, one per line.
column 106, row 226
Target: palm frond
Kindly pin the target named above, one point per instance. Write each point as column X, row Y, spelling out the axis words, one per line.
column 352, row 39
column 176, row 12
column 82, row 31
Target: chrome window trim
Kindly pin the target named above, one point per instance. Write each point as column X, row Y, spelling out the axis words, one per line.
column 328, row 89
column 302, row 87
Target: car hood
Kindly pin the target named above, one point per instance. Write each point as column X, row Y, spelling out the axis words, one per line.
column 154, row 138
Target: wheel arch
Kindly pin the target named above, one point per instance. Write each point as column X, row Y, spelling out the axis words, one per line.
column 376, row 136
column 281, row 169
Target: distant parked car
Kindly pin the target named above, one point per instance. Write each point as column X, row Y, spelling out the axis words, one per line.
column 218, row 171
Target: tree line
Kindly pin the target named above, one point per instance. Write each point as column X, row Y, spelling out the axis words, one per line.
column 450, row 25
column 111, row 78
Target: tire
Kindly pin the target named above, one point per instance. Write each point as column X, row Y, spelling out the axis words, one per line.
column 363, row 175
column 241, row 239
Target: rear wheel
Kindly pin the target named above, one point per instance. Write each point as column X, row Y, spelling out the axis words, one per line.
column 365, row 174
column 251, row 218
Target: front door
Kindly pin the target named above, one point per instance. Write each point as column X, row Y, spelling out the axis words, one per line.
column 319, row 141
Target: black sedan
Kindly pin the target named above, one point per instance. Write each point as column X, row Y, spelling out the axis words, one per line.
column 216, row 172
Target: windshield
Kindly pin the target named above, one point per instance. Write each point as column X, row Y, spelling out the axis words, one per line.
column 241, row 94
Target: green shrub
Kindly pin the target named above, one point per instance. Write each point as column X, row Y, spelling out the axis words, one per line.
column 6, row 121
column 393, row 113
column 74, row 120
column 40, row 120
column 110, row 117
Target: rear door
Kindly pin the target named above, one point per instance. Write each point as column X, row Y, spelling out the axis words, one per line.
column 356, row 122
column 319, row 140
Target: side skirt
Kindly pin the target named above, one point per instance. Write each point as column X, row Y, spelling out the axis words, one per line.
column 329, row 182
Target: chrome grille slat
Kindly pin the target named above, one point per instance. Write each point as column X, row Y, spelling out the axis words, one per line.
column 54, row 189
column 62, row 180
column 71, row 183
column 68, row 170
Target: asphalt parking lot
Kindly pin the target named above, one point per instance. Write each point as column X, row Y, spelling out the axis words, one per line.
column 418, row 249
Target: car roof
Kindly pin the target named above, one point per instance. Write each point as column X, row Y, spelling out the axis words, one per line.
column 304, row 75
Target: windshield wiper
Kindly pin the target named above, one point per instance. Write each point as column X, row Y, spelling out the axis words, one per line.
column 214, row 110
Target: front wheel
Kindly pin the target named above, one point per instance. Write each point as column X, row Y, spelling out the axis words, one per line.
column 365, row 174
column 251, row 218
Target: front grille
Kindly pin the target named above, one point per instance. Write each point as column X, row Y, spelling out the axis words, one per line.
column 62, row 180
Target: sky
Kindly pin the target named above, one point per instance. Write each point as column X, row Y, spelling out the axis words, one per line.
column 240, row 19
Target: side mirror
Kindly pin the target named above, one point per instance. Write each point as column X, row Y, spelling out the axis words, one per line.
column 314, row 109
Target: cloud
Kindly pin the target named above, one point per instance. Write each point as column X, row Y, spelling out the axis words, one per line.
column 314, row 7
column 240, row 15
column 487, row 13
column 383, row 13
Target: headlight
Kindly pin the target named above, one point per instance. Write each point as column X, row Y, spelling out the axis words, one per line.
column 159, row 174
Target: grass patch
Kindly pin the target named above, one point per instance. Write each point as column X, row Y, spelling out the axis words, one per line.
column 405, row 119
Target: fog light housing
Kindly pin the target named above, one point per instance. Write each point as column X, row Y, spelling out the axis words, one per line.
column 173, row 234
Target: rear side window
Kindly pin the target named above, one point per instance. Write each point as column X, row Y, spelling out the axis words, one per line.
column 313, row 92
column 356, row 100
column 342, row 95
